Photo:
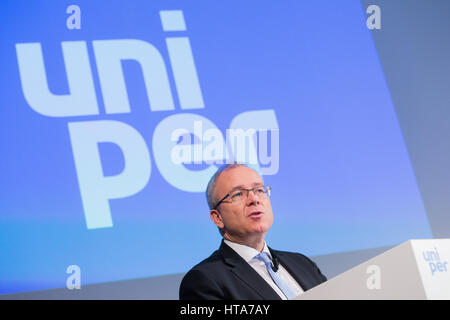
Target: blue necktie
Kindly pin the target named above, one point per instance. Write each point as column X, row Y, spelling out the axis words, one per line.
column 288, row 292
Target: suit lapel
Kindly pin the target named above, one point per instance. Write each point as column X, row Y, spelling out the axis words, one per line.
column 246, row 273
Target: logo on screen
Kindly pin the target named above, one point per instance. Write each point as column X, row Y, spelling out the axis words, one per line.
column 170, row 150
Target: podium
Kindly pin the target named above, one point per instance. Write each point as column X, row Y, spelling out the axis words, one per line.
column 416, row 269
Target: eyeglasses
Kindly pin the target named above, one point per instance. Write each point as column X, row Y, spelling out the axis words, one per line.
column 240, row 195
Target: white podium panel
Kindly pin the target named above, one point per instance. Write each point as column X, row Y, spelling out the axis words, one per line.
column 416, row 269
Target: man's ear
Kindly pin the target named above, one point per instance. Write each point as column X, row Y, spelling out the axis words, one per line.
column 216, row 217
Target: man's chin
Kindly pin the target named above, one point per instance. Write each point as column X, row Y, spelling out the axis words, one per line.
column 261, row 229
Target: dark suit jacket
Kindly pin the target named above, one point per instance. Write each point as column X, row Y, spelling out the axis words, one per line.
column 226, row 275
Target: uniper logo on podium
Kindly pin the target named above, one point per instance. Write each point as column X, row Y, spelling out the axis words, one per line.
column 417, row 269
column 432, row 259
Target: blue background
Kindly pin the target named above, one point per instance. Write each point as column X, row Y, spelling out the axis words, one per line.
column 345, row 180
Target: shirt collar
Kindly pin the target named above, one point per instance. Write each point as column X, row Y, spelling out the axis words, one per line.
column 246, row 252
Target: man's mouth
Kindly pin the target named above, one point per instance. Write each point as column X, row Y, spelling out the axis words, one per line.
column 256, row 214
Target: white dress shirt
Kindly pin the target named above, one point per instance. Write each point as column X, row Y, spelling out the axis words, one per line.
column 249, row 253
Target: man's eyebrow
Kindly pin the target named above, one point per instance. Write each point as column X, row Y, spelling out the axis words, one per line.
column 254, row 184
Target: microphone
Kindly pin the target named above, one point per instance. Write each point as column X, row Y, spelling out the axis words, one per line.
column 275, row 263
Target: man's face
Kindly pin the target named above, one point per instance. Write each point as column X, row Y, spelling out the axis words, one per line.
column 252, row 216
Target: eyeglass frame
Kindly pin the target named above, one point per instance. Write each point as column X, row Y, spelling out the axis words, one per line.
column 267, row 190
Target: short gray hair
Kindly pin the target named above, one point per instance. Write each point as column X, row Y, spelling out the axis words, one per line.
column 211, row 188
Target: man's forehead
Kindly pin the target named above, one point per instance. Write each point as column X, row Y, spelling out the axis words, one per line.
column 240, row 177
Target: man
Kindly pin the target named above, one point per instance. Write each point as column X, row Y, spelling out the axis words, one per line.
column 244, row 267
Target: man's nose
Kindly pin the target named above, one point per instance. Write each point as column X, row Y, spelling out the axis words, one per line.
column 252, row 198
